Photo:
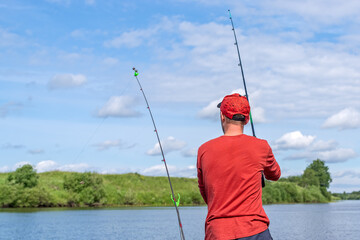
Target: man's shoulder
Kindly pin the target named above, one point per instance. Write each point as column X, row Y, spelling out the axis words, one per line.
column 244, row 139
column 257, row 141
column 211, row 142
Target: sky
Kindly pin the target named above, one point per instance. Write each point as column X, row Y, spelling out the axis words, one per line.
column 69, row 100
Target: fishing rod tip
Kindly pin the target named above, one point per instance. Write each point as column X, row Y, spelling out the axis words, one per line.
column 135, row 72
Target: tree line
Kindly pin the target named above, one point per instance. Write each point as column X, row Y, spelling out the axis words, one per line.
column 355, row 195
column 21, row 188
column 27, row 188
column 311, row 186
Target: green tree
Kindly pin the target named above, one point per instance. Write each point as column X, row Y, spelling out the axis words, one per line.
column 321, row 172
column 25, row 176
column 309, row 178
column 86, row 188
column 294, row 179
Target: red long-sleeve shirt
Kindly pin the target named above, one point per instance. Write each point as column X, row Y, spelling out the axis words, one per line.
column 229, row 175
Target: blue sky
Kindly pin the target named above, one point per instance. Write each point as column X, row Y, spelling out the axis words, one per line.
column 69, row 101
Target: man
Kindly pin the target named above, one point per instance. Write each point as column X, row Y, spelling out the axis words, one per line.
column 229, row 174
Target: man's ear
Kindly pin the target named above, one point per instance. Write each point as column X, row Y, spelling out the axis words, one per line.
column 222, row 117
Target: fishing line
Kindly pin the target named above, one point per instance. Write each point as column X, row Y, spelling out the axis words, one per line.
column 246, row 94
column 90, row 138
column 176, row 203
column 97, row 127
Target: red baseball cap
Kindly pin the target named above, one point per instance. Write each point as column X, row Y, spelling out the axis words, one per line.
column 235, row 107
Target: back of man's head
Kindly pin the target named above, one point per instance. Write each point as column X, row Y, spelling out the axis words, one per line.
column 235, row 108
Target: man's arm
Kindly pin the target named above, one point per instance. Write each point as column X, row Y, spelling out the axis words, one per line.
column 271, row 169
column 200, row 178
column 201, row 185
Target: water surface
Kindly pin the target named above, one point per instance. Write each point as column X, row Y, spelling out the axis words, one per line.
column 340, row 220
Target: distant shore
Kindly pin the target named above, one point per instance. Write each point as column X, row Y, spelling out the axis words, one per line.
column 67, row 189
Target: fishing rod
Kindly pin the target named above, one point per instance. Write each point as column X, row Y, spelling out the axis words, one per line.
column 176, row 203
column 246, row 94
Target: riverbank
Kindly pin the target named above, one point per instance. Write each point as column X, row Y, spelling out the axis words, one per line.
column 66, row 189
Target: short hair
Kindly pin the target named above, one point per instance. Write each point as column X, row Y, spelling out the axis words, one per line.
column 236, row 122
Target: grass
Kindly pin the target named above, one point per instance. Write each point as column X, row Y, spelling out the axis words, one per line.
column 133, row 189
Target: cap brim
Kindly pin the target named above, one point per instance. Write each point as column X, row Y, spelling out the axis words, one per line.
column 219, row 105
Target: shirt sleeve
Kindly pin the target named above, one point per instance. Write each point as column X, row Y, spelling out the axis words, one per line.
column 272, row 169
column 200, row 177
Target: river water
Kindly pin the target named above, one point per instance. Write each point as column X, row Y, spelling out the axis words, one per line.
column 340, row 220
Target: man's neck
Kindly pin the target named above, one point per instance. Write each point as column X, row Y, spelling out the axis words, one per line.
column 234, row 130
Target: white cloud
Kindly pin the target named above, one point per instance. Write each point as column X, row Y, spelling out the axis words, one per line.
column 194, row 37
column 64, row 2
column 46, row 166
column 286, row 172
column 63, row 81
column 7, row 108
column 8, row 39
column 301, row 155
column 105, row 145
column 49, row 165
column 80, row 167
column 211, row 111
column 321, row 12
column 86, row 33
column 284, row 82
column 346, row 119
column 191, row 152
column 208, row 56
column 108, row 144
column 298, row 13
column 12, row 146
column 170, row 144
column 135, row 38
column 258, row 115
column 20, row 164
column 78, row 33
column 118, row 170
column 159, row 170
column 72, row 57
column 118, row 106
column 351, row 173
column 4, row 169
column 337, row 155
column 36, row 151
column 345, row 180
column 293, row 140
column 89, row 2
column 110, row 61
column 131, row 39
column 310, row 149
column 321, row 145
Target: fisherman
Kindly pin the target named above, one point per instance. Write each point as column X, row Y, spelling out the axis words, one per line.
column 229, row 175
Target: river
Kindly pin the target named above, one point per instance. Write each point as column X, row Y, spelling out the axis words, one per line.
column 340, row 220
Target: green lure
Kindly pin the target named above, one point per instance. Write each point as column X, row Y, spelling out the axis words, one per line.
column 178, row 200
